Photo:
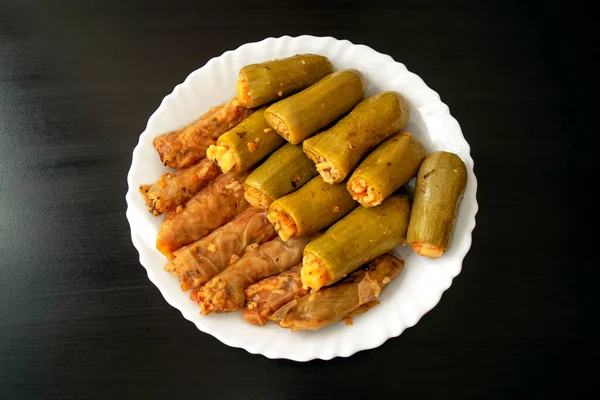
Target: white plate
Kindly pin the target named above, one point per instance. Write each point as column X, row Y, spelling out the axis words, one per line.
column 414, row 292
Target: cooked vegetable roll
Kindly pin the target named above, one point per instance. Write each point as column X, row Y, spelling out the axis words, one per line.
column 392, row 164
column 267, row 296
column 303, row 114
column 197, row 263
column 225, row 292
column 310, row 209
column 338, row 150
column 441, row 182
column 245, row 145
column 263, row 83
column 283, row 172
column 361, row 236
column 354, row 295
column 218, row 203
column 173, row 189
column 188, row 145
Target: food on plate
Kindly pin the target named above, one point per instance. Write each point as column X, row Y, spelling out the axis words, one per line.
column 355, row 294
column 216, row 204
column 245, row 145
column 197, row 263
column 268, row 295
column 173, row 189
column 338, row 150
column 263, row 83
column 358, row 238
column 283, row 172
column 287, row 198
column 303, row 114
column 441, row 182
column 392, row 164
column 311, row 208
column 225, row 292
column 188, row 145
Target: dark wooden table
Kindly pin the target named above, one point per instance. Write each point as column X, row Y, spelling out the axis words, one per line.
column 78, row 316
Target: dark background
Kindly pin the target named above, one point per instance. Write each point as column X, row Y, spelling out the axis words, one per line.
column 78, row 316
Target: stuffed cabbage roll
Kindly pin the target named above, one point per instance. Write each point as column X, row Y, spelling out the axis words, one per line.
column 173, row 189
column 197, row 263
column 187, row 145
column 267, row 296
column 225, row 292
column 355, row 294
column 218, row 203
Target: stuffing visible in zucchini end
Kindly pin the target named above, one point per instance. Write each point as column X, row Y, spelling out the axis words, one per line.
column 283, row 224
column 256, row 198
column 222, row 155
column 363, row 193
column 427, row 249
column 328, row 171
column 314, row 274
column 280, row 127
column 243, row 90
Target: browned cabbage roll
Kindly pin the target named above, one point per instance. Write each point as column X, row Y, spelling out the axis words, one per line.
column 267, row 296
column 225, row 292
column 197, row 263
column 218, row 203
column 187, row 145
column 173, row 189
column 353, row 295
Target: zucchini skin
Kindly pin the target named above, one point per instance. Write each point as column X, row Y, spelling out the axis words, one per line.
column 303, row 114
column 285, row 171
column 338, row 150
column 315, row 206
column 358, row 238
column 265, row 82
column 440, row 185
column 392, row 164
column 251, row 141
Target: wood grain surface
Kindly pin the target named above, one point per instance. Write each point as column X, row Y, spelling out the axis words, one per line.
column 78, row 317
